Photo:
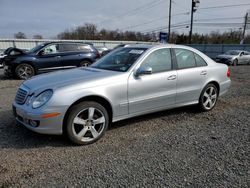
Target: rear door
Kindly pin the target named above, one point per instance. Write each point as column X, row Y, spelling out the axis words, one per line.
column 191, row 75
column 48, row 59
column 70, row 55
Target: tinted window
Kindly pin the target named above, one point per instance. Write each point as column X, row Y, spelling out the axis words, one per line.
column 37, row 48
column 50, row 49
column 14, row 52
column 68, row 48
column 246, row 53
column 159, row 61
column 232, row 52
column 185, row 58
column 119, row 60
column 84, row 48
column 200, row 61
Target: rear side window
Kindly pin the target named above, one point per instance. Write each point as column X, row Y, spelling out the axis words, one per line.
column 159, row 60
column 68, row 48
column 200, row 61
column 185, row 58
column 84, row 48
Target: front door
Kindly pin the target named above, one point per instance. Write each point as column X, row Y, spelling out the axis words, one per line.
column 156, row 90
column 48, row 59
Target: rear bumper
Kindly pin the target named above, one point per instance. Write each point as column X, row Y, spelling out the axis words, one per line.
column 224, row 87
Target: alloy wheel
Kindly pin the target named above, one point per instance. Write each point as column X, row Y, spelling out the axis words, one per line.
column 25, row 72
column 88, row 124
column 209, row 98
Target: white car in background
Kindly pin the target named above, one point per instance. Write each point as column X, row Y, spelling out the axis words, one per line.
column 234, row 57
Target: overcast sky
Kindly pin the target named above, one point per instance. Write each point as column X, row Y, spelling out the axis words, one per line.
column 49, row 17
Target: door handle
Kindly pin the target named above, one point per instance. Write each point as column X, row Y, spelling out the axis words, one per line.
column 203, row 72
column 172, row 77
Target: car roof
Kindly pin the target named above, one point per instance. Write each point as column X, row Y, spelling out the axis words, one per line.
column 67, row 42
column 149, row 46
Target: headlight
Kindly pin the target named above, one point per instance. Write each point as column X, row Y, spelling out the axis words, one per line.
column 42, row 98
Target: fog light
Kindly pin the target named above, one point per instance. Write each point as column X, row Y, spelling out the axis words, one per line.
column 34, row 123
column 26, row 120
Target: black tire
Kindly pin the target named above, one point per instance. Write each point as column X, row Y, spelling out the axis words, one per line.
column 81, row 110
column 24, row 71
column 235, row 62
column 85, row 63
column 202, row 103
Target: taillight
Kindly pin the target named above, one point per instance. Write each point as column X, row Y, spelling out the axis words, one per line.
column 98, row 55
column 228, row 72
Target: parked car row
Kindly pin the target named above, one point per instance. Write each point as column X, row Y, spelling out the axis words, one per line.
column 234, row 57
column 53, row 56
column 48, row 57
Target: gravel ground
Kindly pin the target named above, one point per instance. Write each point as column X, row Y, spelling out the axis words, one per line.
column 174, row 148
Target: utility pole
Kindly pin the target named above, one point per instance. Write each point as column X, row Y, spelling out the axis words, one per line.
column 194, row 7
column 244, row 29
column 169, row 20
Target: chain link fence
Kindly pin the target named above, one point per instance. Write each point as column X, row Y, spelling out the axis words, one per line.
column 212, row 50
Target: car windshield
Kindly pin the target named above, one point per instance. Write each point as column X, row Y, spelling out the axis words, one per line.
column 119, row 60
column 38, row 47
column 232, row 52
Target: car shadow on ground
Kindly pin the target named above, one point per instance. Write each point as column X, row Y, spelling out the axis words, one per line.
column 16, row 136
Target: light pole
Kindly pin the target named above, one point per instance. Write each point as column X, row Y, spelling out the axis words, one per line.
column 195, row 4
column 169, row 20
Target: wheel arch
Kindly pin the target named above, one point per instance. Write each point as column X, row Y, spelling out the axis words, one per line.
column 27, row 62
column 95, row 98
column 86, row 59
column 217, row 85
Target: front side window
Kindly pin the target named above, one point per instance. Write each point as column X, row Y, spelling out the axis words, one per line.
column 119, row 60
column 159, row 61
column 185, row 58
column 51, row 49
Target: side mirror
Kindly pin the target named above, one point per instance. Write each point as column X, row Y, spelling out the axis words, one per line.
column 143, row 71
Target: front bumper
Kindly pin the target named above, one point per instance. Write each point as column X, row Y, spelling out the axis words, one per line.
column 7, row 70
column 53, row 125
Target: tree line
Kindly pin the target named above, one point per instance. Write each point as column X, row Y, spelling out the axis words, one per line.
column 90, row 32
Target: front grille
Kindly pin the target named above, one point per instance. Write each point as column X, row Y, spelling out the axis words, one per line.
column 21, row 96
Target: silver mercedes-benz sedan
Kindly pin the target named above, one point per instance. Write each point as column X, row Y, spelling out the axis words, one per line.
column 128, row 82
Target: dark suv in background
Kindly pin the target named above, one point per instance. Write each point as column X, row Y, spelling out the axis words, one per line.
column 48, row 57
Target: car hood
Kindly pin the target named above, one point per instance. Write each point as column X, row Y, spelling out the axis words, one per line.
column 86, row 77
column 226, row 56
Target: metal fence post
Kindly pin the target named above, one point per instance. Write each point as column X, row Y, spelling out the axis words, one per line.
column 14, row 43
